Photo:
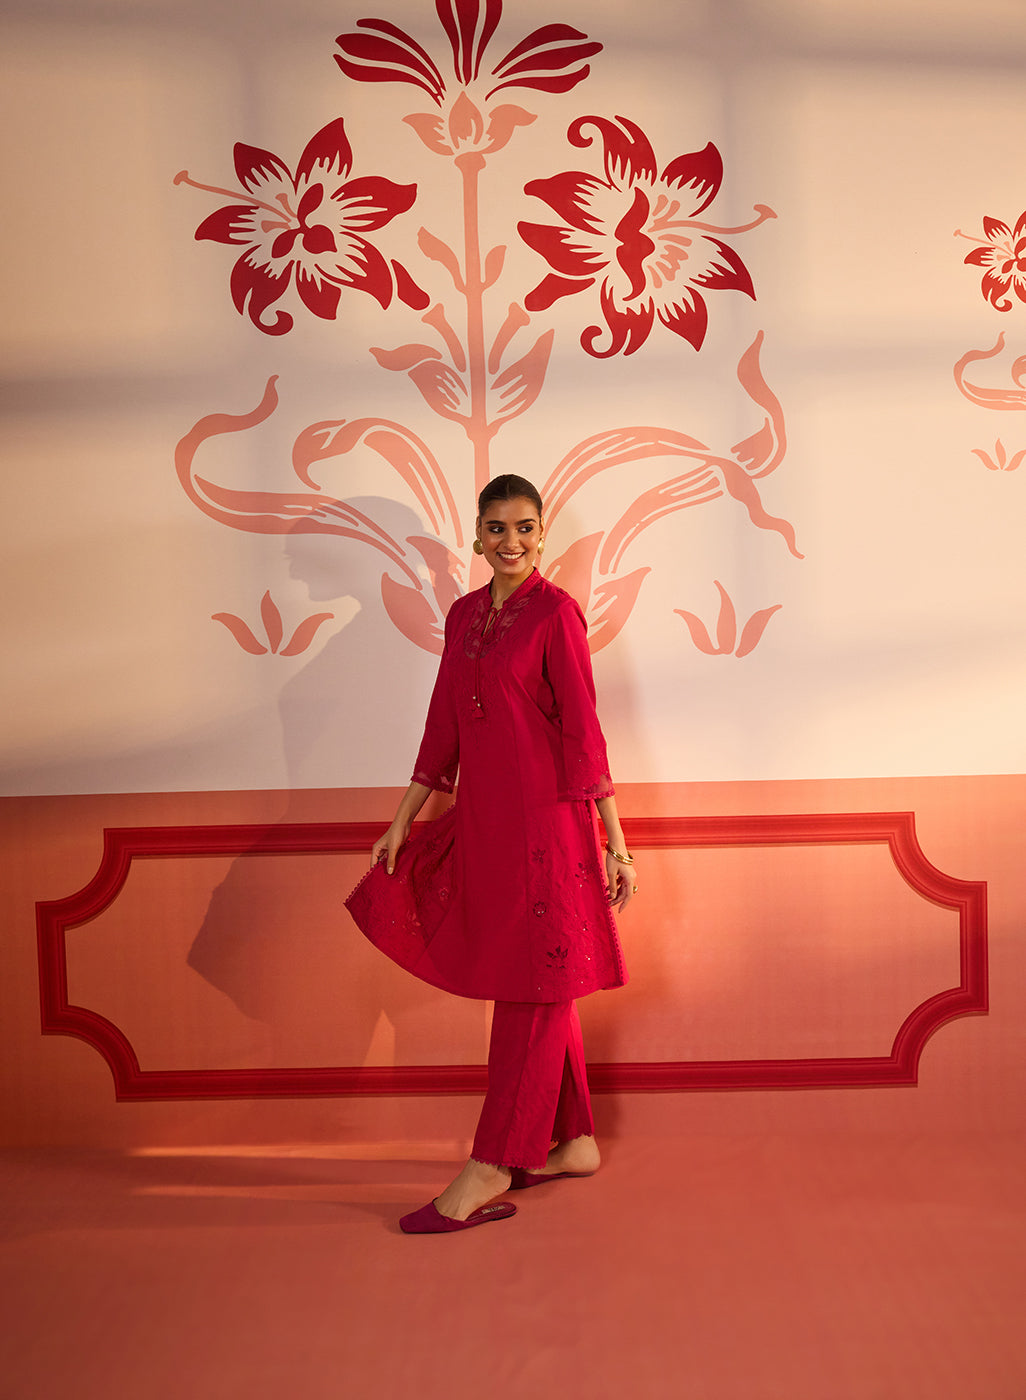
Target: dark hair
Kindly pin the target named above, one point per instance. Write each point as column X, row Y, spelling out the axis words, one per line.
column 508, row 488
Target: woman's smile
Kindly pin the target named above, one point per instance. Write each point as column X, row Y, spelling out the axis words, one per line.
column 510, row 533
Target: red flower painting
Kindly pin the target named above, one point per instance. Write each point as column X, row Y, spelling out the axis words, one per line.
column 1002, row 255
column 307, row 229
column 550, row 59
column 636, row 231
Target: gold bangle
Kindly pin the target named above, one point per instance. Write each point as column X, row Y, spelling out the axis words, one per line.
column 628, row 859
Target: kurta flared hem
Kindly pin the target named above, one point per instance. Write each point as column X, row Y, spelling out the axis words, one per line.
column 504, row 897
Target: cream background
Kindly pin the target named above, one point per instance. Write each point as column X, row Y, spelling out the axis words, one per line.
column 873, row 131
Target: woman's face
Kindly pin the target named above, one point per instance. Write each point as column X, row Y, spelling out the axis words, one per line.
column 509, row 532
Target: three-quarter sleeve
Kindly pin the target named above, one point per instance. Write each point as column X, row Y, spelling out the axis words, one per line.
column 568, row 669
column 439, row 755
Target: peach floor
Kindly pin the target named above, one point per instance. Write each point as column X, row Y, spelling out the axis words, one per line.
column 769, row 1266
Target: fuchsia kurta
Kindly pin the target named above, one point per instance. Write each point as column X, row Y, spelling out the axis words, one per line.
column 503, row 897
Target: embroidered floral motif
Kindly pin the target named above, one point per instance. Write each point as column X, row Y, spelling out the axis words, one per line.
column 479, row 637
column 539, row 909
column 557, row 956
column 538, row 856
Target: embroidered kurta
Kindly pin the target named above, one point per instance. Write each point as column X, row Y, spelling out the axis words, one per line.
column 503, row 897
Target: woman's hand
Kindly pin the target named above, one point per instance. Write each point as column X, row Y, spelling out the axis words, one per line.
column 621, row 880
column 388, row 845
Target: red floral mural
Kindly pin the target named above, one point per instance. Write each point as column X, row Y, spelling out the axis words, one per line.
column 308, row 228
column 1001, row 252
column 636, row 230
column 639, row 235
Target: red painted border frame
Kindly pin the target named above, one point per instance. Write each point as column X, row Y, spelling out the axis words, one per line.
column 122, row 845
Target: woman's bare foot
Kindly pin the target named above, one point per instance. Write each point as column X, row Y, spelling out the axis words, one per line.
column 477, row 1184
column 578, row 1155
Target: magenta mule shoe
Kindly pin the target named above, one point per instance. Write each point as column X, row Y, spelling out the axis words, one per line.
column 428, row 1221
column 521, row 1178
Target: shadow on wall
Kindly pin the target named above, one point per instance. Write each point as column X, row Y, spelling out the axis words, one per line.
column 263, row 940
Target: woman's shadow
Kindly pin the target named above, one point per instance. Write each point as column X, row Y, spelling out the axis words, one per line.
column 276, row 938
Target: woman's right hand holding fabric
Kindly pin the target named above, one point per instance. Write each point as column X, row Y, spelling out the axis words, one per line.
column 388, row 845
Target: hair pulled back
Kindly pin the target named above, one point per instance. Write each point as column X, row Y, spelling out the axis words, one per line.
column 509, row 488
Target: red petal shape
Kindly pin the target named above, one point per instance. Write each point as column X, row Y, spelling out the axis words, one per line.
column 304, row 634
column 372, row 201
column 310, row 202
column 700, row 171
column 396, row 58
column 995, row 228
column 627, row 150
column 329, row 149
column 980, row 257
column 1020, row 225
column 242, row 634
column 224, row 224
column 563, row 83
column 542, row 51
column 540, row 39
column 995, row 289
column 256, row 167
column 561, row 249
column 369, row 274
column 688, row 318
column 407, row 290
column 628, row 328
column 256, row 287
column 551, row 288
column 318, row 294
column 633, row 245
column 730, row 274
column 565, row 195
column 469, row 26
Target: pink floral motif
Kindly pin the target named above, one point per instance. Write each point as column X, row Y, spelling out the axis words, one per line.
column 637, row 230
column 309, row 228
column 1002, row 254
column 1000, row 462
column 727, row 643
column 1009, row 400
column 274, row 630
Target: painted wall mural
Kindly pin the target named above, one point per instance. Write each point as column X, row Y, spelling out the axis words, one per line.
column 705, row 273
column 635, row 241
column 1001, row 253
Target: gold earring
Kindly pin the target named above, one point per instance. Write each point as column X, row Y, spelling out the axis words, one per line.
column 541, row 545
column 478, row 547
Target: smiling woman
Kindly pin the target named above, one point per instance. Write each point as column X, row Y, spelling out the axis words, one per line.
column 507, row 896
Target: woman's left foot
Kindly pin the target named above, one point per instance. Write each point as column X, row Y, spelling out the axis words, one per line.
column 477, row 1184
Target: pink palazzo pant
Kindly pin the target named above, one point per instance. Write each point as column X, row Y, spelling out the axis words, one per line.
column 537, row 1084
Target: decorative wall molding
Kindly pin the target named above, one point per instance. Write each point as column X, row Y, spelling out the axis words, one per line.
column 123, row 845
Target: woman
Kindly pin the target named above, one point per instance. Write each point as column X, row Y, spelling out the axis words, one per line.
column 506, row 896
